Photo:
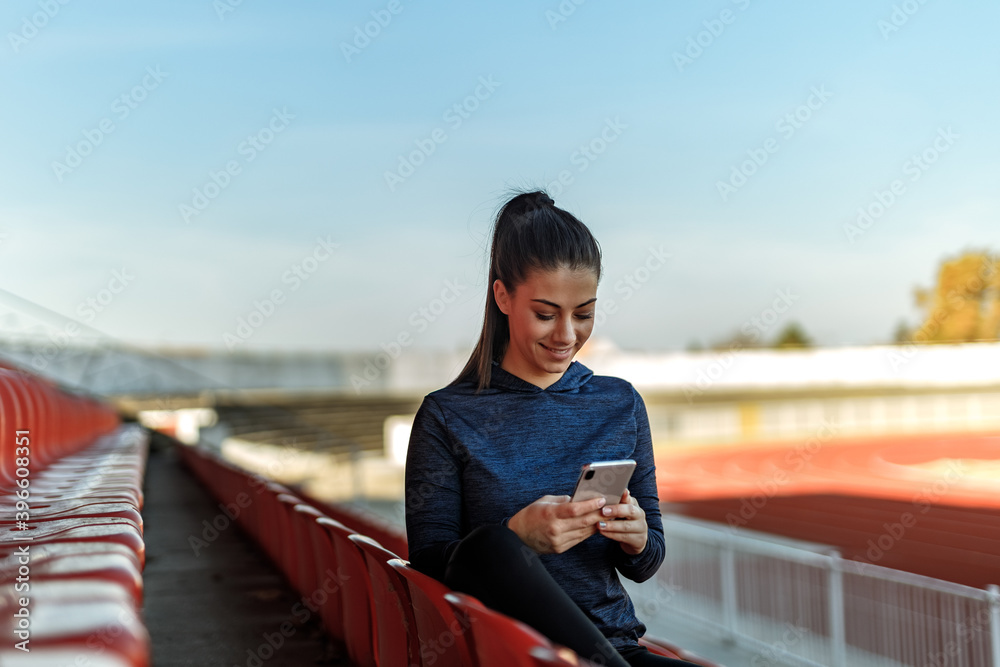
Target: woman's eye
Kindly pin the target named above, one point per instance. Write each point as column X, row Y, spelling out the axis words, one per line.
column 581, row 316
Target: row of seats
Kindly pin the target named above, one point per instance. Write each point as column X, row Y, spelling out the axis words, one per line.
column 385, row 613
column 62, row 423
column 71, row 547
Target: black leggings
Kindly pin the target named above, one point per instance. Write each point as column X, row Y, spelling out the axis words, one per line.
column 492, row 564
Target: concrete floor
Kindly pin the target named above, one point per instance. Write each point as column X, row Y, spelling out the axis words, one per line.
column 225, row 605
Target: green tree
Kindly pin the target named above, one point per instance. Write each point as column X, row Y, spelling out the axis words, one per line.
column 793, row 335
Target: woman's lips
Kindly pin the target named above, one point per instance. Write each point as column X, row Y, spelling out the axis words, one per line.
column 558, row 354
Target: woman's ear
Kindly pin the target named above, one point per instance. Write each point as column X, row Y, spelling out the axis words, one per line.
column 501, row 296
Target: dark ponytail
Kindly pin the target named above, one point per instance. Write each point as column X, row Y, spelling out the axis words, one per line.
column 530, row 233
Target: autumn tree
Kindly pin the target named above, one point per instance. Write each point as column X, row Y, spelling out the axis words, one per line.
column 964, row 305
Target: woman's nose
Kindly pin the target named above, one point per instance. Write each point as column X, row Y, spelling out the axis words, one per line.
column 564, row 332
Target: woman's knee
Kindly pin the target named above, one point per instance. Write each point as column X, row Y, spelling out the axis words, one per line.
column 491, row 548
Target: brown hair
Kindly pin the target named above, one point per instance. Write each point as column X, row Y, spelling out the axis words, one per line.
column 530, row 233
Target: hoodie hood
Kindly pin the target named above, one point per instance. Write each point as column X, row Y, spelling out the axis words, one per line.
column 575, row 376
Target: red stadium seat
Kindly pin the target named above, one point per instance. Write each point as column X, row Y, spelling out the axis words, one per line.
column 70, row 490
column 331, row 609
column 442, row 640
column 361, row 520
column 304, row 528
column 670, row 650
column 550, row 657
column 396, row 637
column 497, row 640
column 90, row 616
column 358, row 611
column 285, row 535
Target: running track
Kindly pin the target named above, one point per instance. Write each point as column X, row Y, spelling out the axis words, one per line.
column 928, row 504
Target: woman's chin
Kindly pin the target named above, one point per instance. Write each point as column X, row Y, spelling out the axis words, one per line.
column 556, row 365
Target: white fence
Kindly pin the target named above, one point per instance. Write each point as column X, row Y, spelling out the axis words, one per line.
column 797, row 603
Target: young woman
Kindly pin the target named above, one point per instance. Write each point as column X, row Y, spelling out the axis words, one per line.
column 494, row 455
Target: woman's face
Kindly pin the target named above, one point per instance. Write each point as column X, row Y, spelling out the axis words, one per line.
column 551, row 316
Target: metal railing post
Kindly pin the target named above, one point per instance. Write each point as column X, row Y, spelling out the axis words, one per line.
column 994, row 600
column 838, row 640
column 729, row 608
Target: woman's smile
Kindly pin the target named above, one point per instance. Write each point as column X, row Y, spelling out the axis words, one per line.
column 558, row 354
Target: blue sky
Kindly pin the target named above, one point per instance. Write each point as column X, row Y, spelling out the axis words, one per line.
column 205, row 90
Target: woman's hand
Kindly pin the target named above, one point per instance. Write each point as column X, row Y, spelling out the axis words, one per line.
column 631, row 530
column 553, row 524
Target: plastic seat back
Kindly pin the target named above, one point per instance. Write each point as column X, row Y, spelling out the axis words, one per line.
column 395, row 628
column 442, row 640
column 303, row 519
column 286, row 538
column 329, row 568
column 497, row 640
column 358, row 610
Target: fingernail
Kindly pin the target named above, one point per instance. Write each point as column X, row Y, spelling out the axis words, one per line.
column 603, row 525
column 606, row 511
column 601, row 502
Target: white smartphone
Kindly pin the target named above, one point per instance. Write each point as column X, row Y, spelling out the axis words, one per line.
column 604, row 478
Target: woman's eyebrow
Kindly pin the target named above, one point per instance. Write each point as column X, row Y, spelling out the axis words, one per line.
column 556, row 305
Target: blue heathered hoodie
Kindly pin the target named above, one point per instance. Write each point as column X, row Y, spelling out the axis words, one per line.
column 476, row 460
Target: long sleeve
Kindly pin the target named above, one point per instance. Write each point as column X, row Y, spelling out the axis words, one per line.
column 642, row 487
column 433, row 488
column 477, row 458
